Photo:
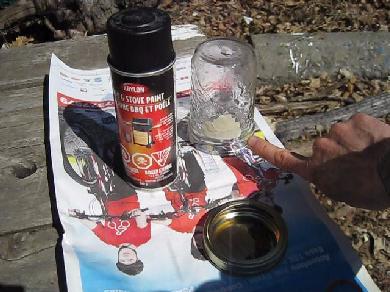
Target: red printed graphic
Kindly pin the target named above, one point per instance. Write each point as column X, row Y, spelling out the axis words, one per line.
column 64, row 101
column 117, row 231
column 161, row 156
column 245, row 175
column 185, row 221
column 141, row 161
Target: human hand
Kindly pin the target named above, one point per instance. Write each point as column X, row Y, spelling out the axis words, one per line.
column 140, row 218
column 76, row 213
column 73, row 212
column 235, row 194
column 344, row 164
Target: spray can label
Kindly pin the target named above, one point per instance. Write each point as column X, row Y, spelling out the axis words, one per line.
column 146, row 119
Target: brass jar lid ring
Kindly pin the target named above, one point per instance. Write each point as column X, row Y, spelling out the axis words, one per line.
column 244, row 237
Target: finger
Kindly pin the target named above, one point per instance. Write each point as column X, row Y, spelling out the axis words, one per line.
column 348, row 136
column 338, row 133
column 325, row 149
column 371, row 129
column 279, row 157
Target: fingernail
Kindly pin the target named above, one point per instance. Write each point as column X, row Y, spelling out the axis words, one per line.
column 252, row 141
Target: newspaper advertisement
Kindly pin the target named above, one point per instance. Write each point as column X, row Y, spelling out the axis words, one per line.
column 119, row 238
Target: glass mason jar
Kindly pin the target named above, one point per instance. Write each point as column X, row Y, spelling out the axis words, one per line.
column 223, row 89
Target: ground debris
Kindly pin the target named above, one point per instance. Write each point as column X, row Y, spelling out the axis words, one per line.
column 369, row 235
column 317, row 94
column 280, row 16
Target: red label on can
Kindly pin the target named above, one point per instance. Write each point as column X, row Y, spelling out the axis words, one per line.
column 147, row 128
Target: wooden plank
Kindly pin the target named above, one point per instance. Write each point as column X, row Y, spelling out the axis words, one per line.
column 285, row 57
column 375, row 106
column 22, row 137
column 25, row 201
column 23, row 179
column 19, row 65
column 21, row 126
column 300, row 108
column 28, row 65
column 22, row 244
column 17, row 99
column 36, row 272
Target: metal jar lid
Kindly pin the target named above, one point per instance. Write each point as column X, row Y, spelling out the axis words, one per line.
column 244, row 237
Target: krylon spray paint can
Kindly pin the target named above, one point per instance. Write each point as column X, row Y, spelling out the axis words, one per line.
column 141, row 58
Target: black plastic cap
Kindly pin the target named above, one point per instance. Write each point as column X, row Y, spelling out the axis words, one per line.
column 140, row 40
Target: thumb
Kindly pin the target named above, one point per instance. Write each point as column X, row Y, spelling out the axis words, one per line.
column 280, row 157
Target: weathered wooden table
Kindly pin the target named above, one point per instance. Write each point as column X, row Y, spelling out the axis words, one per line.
column 28, row 234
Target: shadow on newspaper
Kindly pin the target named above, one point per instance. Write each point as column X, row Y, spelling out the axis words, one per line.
column 53, row 201
column 87, row 130
column 11, row 288
column 231, row 283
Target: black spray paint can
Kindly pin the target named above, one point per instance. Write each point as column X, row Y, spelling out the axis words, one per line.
column 141, row 58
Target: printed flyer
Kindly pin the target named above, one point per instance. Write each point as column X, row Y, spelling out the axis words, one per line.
column 120, row 238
